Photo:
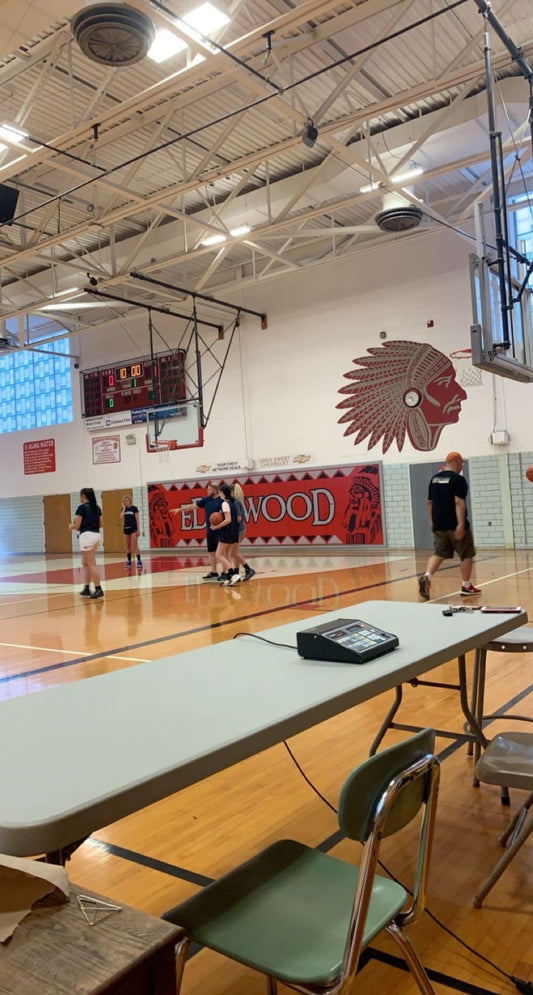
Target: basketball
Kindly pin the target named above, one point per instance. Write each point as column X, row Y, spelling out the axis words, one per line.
column 529, row 473
column 216, row 518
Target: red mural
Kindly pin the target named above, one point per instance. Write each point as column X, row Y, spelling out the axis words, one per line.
column 333, row 506
column 401, row 387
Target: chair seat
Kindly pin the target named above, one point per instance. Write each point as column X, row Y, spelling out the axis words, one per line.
column 508, row 760
column 517, row 641
column 286, row 913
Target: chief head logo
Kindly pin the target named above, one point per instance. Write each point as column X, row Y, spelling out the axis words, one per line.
column 401, row 388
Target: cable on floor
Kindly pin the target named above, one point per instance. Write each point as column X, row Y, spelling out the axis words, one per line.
column 526, row 987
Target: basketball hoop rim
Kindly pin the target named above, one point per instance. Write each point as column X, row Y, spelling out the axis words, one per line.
column 461, row 354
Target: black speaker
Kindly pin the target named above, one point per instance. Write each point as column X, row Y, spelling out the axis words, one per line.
column 8, row 203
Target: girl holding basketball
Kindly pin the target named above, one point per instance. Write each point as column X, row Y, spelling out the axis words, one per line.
column 130, row 517
column 87, row 523
column 227, row 532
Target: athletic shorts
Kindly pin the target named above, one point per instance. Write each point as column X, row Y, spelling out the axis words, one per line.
column 89, row 540
column 130, row 532
column 228, row 534
column 212, row 542
column 446, row 545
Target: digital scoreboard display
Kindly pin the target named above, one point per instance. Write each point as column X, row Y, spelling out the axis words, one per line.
column 135, row 384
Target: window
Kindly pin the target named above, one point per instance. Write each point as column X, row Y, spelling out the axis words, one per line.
column 36, row 388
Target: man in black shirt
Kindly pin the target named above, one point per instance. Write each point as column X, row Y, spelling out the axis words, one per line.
column 447, row 513
column 210, row 503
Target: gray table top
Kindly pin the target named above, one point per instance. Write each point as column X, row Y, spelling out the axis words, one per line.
column 81, row 755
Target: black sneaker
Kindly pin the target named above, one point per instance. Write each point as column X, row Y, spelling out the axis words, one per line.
column 224, row 579
column 423, row 586
column 211, row 576
column 97, row 593
column 86, row 592
column 250, row 572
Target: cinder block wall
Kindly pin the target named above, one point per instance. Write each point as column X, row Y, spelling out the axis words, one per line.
column 397, row 505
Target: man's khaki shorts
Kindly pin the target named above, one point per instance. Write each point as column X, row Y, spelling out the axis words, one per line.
column 446, row 545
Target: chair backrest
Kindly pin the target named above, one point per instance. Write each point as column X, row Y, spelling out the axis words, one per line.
column 364, row 788
column 379, row 798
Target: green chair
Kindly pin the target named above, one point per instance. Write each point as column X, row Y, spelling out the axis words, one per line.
column 303, row 917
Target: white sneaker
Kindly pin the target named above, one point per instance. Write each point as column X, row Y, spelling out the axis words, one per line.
column 235, row 578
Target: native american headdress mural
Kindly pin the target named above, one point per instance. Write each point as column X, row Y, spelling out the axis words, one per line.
column 401, row 387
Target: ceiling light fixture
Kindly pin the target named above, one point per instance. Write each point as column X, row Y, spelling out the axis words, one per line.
column 12, row 134
column 369, row 187
column 165, row 45
column 404, row 178
column 206, row 19
column 217, row 239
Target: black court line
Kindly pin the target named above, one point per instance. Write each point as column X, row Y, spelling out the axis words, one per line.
column 442, row 979
column 155, row 865
column 205, row 628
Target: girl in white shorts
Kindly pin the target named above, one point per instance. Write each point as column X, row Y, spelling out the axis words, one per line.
column 87, row 523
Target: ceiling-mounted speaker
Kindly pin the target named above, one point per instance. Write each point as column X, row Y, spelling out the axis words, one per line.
column 113, row 34
column 8, row 203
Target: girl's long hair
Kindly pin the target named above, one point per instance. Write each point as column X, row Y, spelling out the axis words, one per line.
column 91, row 497
column 238, row 491
column 225, row 489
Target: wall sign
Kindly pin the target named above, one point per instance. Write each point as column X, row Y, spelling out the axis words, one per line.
column 106, row 449
column 330, row 506
column 40, row 457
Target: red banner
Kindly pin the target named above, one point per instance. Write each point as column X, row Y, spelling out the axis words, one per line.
column 39, row 457
column 332, row 506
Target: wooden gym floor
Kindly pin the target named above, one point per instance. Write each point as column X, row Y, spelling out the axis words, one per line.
column 155, row 858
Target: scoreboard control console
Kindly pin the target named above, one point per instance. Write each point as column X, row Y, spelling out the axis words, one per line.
column 135, row 384
column 345, row 640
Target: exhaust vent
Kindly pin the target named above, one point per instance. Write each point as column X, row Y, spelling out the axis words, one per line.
column 398, row 214
column 113, row 34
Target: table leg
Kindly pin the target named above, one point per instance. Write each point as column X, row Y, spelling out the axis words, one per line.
column 387, row 721
column 471, row 719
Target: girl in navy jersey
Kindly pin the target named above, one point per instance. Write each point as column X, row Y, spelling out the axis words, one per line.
column 130, row 517
column 87, row 523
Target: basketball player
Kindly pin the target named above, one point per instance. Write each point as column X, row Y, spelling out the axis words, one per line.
column 210, row 503
column 228, row 535
column 448, row 517
column 87, row 523
column 237, row 559
column 130, row 517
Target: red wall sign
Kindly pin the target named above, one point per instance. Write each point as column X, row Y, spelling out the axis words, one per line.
column 40, row 457
column 333, row 506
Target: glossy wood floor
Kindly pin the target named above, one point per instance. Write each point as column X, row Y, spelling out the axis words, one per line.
column 154, row 859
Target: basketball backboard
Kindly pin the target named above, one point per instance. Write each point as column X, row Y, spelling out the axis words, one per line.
column 175, row 426
column 505, row 352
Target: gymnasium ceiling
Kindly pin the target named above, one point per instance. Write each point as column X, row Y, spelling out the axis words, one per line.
column 132, row 169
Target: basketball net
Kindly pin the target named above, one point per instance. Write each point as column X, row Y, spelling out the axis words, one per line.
column 467, row 375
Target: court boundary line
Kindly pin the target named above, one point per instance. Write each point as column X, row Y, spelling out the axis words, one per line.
column 7, row 678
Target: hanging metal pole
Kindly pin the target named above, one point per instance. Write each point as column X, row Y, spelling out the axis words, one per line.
column 496, row 188
column 198, row 365
column 155, row 377
column 203, row 297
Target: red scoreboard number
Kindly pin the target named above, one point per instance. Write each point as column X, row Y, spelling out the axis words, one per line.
column 124, row 388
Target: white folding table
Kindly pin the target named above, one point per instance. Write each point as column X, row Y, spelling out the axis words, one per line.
column 82, row 755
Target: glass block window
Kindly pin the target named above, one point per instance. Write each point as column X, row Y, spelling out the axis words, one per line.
column 36, row 388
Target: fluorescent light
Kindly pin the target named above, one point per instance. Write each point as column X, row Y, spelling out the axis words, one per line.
column 12, row 134
column 217, row 239
column 165, row 45
column 73, row 306
column 369, row 187
column 61, row 293
column 206, row 19
column 409, row 175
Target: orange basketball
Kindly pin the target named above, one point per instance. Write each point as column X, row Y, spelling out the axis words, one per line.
column 216, row 518
column 529, row 473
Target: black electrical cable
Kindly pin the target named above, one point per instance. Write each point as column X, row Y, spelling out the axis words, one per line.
column 262, row 639
column 240, row 110
column 526, row 987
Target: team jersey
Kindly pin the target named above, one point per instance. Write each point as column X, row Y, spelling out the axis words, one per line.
column 444, row 487
column 90, row 520
column 130, row 522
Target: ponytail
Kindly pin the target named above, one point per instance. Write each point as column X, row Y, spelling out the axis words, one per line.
column 91, row 497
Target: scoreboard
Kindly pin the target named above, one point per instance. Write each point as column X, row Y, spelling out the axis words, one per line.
column 135, row 384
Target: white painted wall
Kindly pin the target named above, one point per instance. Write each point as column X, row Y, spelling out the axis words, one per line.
column 280, row 388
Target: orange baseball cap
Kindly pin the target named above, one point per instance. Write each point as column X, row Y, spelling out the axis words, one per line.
column 454, row 457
